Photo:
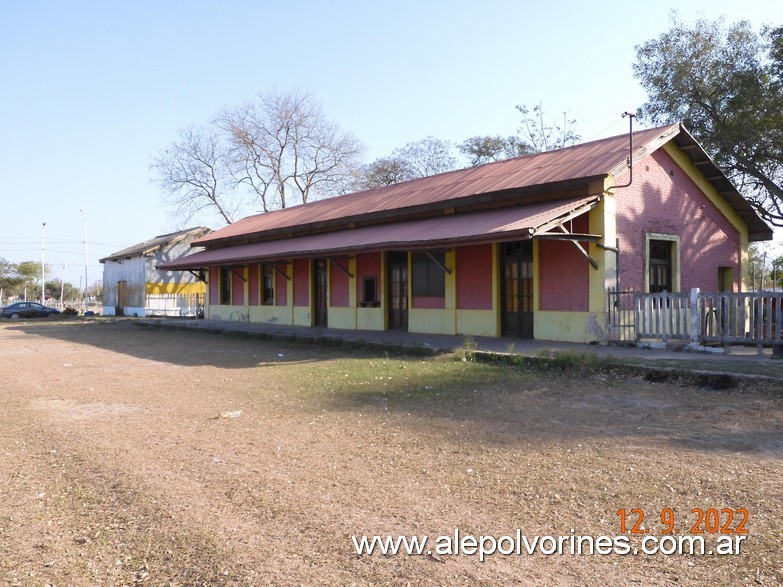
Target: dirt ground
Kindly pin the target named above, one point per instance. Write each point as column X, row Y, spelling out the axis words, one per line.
column 116, row 467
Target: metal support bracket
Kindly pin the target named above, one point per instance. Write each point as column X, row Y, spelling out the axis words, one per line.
column 280, row 271
column 573, row 239
column 240, row 275
column 340, row 267
column 201, row 275
column 593, row 262
column 438, row 263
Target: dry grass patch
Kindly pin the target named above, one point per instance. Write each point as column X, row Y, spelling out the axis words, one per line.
column 114, row 469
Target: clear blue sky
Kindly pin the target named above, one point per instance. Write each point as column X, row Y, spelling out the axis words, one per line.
column 92, row 91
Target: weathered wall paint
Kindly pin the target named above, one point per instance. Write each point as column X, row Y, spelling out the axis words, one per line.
column 562, row 326
column 229, row 313
column 130, row 271
column 270, row 315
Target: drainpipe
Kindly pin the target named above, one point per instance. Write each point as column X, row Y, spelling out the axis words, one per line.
column 616, row 249
column 630, row 116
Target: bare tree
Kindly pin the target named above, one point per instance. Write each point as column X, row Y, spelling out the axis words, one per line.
column 427, row 156
column 193, row 173
column 283, row 149
column 542, row 136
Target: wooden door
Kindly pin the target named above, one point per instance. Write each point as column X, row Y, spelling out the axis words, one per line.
column 517, row 289
column 398, row 291
column 122, row 297
column 320, row 297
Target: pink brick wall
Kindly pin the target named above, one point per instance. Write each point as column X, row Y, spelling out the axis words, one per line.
column 338, row 285
column 474, row 277
column 564, row 273
column 429, row 302
column 368, row 265
column 301, row 282
column 663, row 199
column 237, row 287
column 281, row 287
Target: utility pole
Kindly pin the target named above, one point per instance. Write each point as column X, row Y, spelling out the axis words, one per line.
column 84, row 216
column 43, row 267
column 62, row 289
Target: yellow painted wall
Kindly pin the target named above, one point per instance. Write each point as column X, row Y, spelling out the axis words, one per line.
column 229, row 313
column 371, row 318
column 432, row 321
column 342, row 318
column 270, row 314
column 451, row 280
column 602, row 220
column 302, row 316
column 177, row 288
column 561, row 326
column 477, row 322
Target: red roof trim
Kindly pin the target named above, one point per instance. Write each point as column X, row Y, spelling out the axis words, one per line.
column 516, row 223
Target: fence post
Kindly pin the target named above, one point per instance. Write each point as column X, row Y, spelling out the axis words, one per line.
column 695, row 317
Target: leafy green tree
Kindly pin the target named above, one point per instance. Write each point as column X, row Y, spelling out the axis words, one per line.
column 725, row 83
column 777, row 272
column 55, row 288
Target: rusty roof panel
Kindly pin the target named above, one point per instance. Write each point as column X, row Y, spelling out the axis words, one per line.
column 580, row 162
column 490, row 225
column 588, row 160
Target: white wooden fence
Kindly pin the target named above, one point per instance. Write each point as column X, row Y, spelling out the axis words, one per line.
column 701, row 318
column 183, row 305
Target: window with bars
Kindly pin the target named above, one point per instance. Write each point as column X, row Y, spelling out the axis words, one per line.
column 660, row 266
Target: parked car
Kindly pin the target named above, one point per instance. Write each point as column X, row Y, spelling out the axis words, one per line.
column 27, row 310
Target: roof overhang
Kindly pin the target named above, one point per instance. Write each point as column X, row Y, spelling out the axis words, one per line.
column 758, row 230
column 497, row 225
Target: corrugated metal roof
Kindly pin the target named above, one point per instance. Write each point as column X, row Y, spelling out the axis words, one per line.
column 153, row 244
column 537, row 172
column 588, row 160
column 519, row 222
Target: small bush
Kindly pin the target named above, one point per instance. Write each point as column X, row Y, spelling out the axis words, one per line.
column 69, row 311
